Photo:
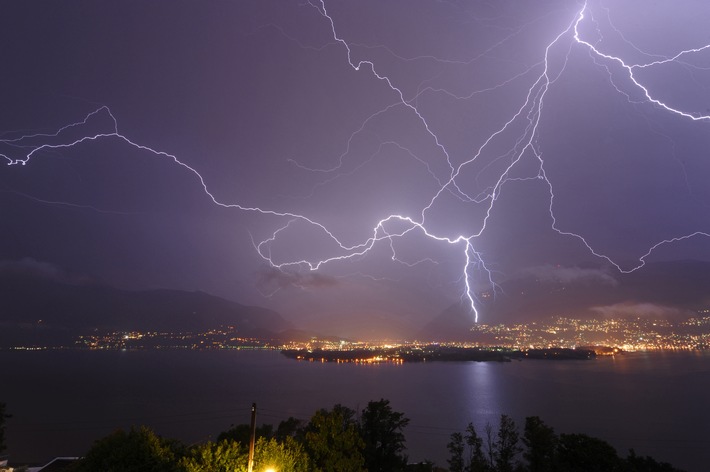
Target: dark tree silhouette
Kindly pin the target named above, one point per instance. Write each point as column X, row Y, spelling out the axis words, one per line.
column 456, row 449
column 291, row 427
column 582, row 453
column 490, row 445
column 506, row 446
column 242, row 432
column 476, row 459
column 138, row 449
column 541, row 443
column 3, row 416
column 381, row 429
column 636, row 463
column 466, row 452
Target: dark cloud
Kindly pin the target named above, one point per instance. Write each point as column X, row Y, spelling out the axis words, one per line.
column 29, row 267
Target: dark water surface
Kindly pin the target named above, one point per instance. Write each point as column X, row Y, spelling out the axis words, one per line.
column 656, row 403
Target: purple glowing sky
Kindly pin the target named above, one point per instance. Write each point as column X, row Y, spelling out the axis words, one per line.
column 506, row 135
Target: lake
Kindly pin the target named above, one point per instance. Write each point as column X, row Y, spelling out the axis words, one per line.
column 656, row 403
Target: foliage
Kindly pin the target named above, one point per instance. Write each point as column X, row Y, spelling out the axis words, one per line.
column 502, row 449
column 381, row 429
column 336, row 441
column 636, row 463
column 476, row 460
column 285, row 456
column 242, row 432
column 221, row 456
column 490, row 446
column 456, row 449
column 139, row 449
column 292, row 427
column 541, row 443
column 3, row 417
column 426, row 466
column 582, row 453
column 544, row 451
column 506, row 446
column 333, row 441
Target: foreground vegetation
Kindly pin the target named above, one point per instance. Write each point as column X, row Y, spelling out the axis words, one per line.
column 372, row 440
column 542, row 450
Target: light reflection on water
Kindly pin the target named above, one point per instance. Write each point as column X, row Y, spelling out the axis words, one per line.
column 61, row 401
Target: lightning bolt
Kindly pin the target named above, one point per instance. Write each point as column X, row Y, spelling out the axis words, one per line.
column 525, row 120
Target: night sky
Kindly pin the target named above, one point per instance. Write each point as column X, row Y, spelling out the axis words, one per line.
column 419, row 149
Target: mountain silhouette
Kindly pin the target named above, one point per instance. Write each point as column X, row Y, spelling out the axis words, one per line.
column 44, row 303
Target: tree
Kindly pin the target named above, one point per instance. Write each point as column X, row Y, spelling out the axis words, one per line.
column 425, row 466
column 634, row 463
column 506, row 447
column 3, row 417
column 476, row 460
column 138, row 449
column 241, row 433
column 455, row 447
column 286, row 456
column 541, row 443
column 292, row 427
column 333, row 441
column 582, row 453
column 230, row 456
column 221, row 456
column 381, row 429
column 490, row 445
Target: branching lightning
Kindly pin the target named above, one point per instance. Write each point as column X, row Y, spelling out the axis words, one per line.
column 388, row 229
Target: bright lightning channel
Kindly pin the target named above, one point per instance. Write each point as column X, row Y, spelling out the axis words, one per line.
column 529, row 112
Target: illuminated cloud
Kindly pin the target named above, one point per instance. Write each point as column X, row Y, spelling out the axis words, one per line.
column 566, row 275
column 271, row 279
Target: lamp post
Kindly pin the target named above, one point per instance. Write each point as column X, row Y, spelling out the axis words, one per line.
column 252, row 438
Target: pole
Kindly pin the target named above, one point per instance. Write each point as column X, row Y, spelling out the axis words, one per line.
column 252, row 438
